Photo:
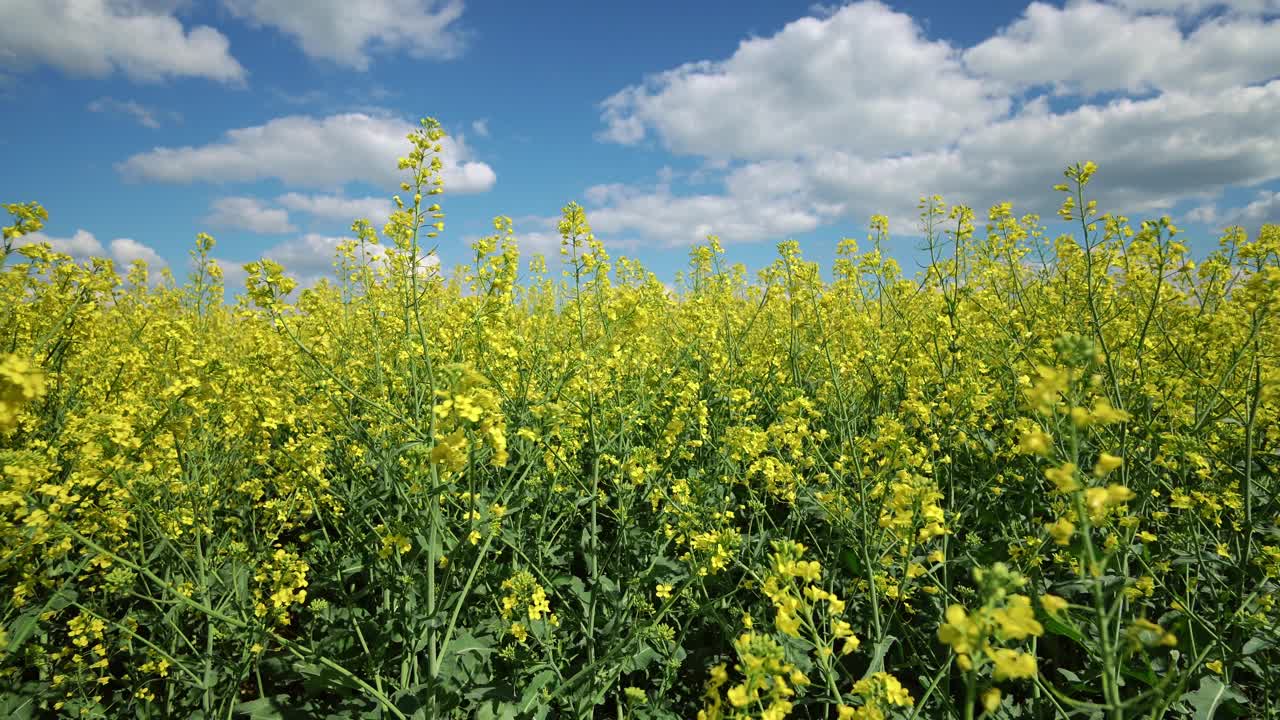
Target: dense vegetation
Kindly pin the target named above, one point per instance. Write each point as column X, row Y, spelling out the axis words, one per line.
column 1037, row 480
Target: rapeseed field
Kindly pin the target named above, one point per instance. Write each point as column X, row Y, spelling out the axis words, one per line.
column 1035, row 480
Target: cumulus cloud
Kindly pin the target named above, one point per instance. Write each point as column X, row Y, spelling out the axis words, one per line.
column 537, row 234
column 539, row 242
column 264, row 217
column 309, row 257
column 300, row 150
column 1263, row 209
column 480, row 127
column 82, row 245
column 856, row 112
column 260, row 216
column 1194, row 8
column 864, row 80
column 339, row 207
column 233, row 276
column 752, row 213
column 1151, row 152
column 536, row 242
column 126, row 250
column 145, row 116
column 250, row 214
column 306, row 259
column 344, row 32
column 1089, row 48
column 95, row 38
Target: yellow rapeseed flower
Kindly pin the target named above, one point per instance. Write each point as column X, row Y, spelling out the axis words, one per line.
column 1061, row 530
column 1053, row 604
column 1063, row 478
column 1012, row 664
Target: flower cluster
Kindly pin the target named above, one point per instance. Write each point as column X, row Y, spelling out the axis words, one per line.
column 981, row 636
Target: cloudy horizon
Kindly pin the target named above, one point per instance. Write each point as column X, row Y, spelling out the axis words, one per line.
column 273, row 125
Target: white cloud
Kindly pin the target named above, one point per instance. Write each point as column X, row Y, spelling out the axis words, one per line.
column 537, row 242
column 1089, row 47
column 1151, row 152
column 469, row 177
column 233, row 277
column 345, row 31
column 534, row 234
column 310, row 257
column 540, row 234
column 1193, row 8
column 82, row 245
column 1203, row 214
column 310, row 152
column 126, row 250
column 546, row 244
column 683, row 220
column 906, row 117
column 145, row 116
column 249, row 214
column 480, row 127
column 338, row 207
column 863, row 80
column 306, row 97
column 1265, row 208
column 97, row 37
column 306, row 259
column 259, row 216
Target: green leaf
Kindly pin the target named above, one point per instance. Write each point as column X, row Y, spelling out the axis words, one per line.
column 642, row 659
column 468, row 643
column 22, row 629
column 1143, row 673
column 20, row 705
column 877, row 656
column 1256, row 643
column 464, row 663
column 261, row 709
column 496, row 710
column 576, row 588
column 63, row 599
column 1210, row 696
column 317, row 678
column 1054, row 626
column 850, row 561
column 531, row 695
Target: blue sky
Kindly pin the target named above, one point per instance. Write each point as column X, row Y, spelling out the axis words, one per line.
column 271, row 124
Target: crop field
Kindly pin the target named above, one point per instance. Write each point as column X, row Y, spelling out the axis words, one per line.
column 1036, row 479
